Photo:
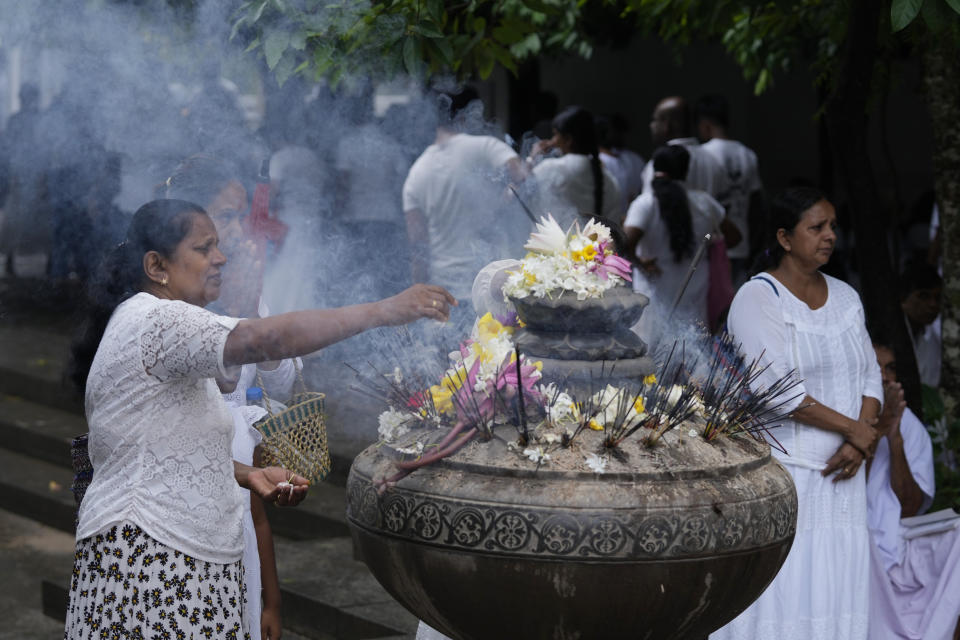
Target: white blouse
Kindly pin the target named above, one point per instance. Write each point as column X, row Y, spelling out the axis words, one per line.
column 160, row 432
column 566, row 190
column 829, row 347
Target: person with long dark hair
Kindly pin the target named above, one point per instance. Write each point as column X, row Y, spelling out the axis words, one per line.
column 159, row 538
column 575, row 186
column 664, row 227
column 793, row 318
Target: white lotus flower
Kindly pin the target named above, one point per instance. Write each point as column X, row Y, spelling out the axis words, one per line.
column 596, row 231
column 549, row 238
column 393, row 425
column 597, row 464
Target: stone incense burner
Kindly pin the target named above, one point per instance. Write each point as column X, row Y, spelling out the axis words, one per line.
column 672, row 543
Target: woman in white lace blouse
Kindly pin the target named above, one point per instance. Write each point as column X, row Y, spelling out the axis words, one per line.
column 159, row 538
column 792, row 317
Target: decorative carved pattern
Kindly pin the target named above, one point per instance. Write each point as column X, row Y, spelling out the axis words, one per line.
column 602, row 534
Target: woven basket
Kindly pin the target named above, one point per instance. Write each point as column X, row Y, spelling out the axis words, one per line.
column 296, row 439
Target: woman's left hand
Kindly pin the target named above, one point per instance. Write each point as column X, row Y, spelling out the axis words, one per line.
column 277, row 485
column 845, row 462
column 270, row 628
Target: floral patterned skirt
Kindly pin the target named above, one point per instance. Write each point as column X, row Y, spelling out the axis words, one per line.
column 127, row 585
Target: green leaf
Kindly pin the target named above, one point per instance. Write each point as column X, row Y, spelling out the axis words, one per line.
column 435, row 9
column 299, row 40
column 444, row 49
column 485, row 62
column 428, row 30
column 257, row 10
column 954, row 4
column 902, row 13
column 274, row 44
column 412, row 54
column 285, row 67
column 503, row 57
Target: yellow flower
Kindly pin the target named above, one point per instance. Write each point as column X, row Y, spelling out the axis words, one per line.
column 442, row 393
column 489, row 328
column 441, row 398
column 638, row 405
column 589, row 252
column 539, row 365
column 529, row 278
column 650, row 379
column 596, row 426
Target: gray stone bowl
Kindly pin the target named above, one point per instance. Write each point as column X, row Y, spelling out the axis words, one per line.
column 619, row 307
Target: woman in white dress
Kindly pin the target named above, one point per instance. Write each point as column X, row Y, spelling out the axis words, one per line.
column 575, row 186
column 793, row 317
column 159, row 539
column 664, row 227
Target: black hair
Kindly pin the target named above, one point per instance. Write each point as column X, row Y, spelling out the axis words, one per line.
column 917, row 275
column 605, row 133
column 577, row 123
column 786, row 209
column 714, row 108
column 199, row 178
column 670, row 165
column 159, row 225
column 449, row 105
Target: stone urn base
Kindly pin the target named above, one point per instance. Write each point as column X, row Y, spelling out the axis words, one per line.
column 482, row 546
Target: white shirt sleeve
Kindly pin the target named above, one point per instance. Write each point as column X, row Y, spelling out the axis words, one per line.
column 638, row 214
column 872, row 378
column 412, row 188
column 182, row 340
column 756, row 321
column 919, row 451
column 497, row 152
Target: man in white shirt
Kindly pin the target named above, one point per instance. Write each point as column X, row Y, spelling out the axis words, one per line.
column 915, row 581
column 921, row 288
column 670, row 124
column 453, row 200
column 743, row 198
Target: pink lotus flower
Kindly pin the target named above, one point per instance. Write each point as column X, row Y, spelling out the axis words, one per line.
column 613, row 264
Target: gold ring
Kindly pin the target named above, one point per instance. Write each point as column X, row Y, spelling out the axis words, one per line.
column 433, row 303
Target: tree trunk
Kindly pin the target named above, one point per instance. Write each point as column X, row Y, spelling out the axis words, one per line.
column 846, row 118
column 941, row 77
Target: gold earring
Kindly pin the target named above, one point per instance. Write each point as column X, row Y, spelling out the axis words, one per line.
column 164, row 281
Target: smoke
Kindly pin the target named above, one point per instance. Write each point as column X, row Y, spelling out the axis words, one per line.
column 128, row 90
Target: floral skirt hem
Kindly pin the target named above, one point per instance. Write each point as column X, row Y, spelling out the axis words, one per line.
column 126, row 585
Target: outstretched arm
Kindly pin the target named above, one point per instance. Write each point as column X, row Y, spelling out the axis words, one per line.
column 302, row 332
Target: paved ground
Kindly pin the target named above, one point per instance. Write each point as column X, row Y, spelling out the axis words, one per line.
column 30, row 552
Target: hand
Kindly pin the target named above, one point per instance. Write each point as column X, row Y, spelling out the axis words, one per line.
column 894, row 404
column 270, row 628
column 862, row 435
column 846, row 462
column 273, row 484
column 540, row 147
column 419, row 301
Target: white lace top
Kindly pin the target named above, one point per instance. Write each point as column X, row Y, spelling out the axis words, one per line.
column 160, row 433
